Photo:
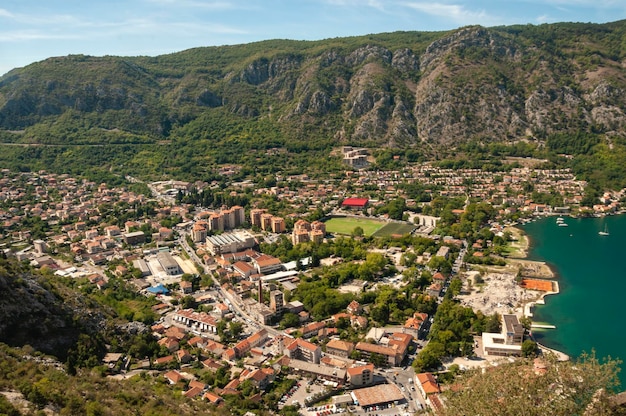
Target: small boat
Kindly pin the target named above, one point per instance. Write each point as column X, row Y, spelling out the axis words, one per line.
column 560, row 219
column 563, row 224
column 605, row 232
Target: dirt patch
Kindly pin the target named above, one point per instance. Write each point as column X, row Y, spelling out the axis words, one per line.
column 529, row 268
column 498, row 293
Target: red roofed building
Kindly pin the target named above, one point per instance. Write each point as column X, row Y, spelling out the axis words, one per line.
column 304, row 350
column 427, row 384
column 361, row 376
column 354, row 203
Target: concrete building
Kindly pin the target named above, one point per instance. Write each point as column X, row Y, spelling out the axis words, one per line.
column 277, row 302
column 300, row 349
column 361, row 376
column 134, row 238
column 230, row 242
column 339, row 348
column 168, row 263
column 506, row 343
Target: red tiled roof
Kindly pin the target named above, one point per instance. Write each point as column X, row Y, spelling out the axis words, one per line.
column 355, row 202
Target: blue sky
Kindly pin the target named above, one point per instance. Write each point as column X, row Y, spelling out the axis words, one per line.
column 32, row 30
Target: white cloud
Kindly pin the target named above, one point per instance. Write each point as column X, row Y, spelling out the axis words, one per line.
column 6, row 13
column 207, row 5
column 544, row 18
column 29, row 35
column 456, row 13
column 376, row 4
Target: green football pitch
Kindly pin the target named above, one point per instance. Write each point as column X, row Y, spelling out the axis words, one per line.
column 346, row 225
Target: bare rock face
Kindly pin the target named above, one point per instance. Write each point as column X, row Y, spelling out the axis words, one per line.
column 368, row 52
column 405, row 61
column 493, row 84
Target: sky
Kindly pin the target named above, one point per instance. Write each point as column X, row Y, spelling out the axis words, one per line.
column 33, row 30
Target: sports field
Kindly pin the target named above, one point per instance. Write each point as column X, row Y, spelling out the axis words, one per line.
column 346, row 225
column 394, row 228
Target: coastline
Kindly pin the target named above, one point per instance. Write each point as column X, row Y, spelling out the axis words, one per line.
column 527, row 311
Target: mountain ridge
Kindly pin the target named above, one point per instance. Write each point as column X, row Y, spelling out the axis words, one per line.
column 397, row 90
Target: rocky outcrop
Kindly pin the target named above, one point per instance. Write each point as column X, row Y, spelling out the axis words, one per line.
column 390, row 89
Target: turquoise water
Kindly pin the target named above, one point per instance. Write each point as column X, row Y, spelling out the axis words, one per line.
column 590, row 311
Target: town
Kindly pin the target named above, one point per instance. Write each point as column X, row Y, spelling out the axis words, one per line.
column 226, row 284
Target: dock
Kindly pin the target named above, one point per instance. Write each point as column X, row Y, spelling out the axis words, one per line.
column 543, row 326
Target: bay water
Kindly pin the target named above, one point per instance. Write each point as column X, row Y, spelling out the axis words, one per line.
column 590, row 310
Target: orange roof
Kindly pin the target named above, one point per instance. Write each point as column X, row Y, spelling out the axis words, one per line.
column 428, row 382
column 358, row 370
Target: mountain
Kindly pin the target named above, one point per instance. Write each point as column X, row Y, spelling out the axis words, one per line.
column 423, row 90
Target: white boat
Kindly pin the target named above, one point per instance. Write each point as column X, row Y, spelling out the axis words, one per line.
column 562, row 224
column 605, row 232
column 560, row 219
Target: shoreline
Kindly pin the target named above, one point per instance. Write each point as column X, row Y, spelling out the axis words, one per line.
column 527, row 310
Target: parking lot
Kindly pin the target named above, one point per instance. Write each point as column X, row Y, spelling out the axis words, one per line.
column 300, row 392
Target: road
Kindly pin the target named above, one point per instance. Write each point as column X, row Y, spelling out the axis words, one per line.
column 234, row 305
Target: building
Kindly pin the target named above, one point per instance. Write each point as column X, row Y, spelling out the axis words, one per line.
column 361, row 376
column 332, row 374
column 142, row 266
column 377, row 395
column 506, row 343
column 198, row 232
column 427, row 384
column 278, row 225
column 355, row 203
column 394, row 348
column 354, row 308
column 134, row 238
column 266, row 264
column 255, row 217
column 40, row 247
column 196, row 321
column 339, row 348
column 277, row 302
column 300, row 349
column 356, row 158
column 230, row 242
column 168, row 263
column 312, row 329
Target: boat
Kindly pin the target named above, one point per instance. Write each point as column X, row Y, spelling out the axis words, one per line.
column 605, row 232
column 563, row 224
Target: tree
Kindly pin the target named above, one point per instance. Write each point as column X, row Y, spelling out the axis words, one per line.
column 235, row 329
column 563, row 388
column 529, row 348
column 357, row 232
column 289, row 320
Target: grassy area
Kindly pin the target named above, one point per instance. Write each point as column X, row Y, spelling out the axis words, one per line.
column 394, row 228
column 346, row 225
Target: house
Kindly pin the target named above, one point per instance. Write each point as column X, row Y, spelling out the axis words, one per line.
column 170, row 343
column 183, row 356
column 164, row 360
column 186, row 287
column 173, row 376
column 312, row 329
column 427, row 384
column 354, row 308
column 193, row 392
column 261, row 378
column 213, row 398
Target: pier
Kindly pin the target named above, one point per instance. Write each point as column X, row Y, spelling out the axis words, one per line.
column 542, row 326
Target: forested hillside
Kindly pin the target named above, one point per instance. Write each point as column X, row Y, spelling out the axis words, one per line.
column 185, row 113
